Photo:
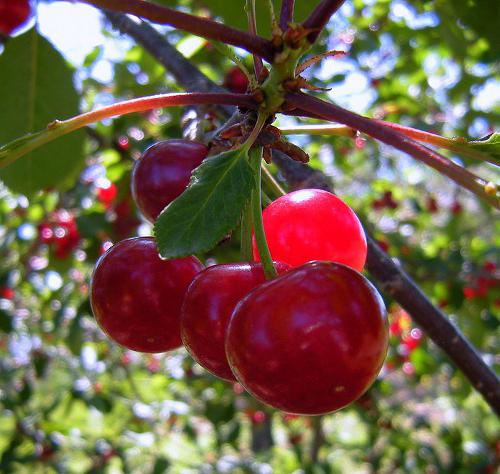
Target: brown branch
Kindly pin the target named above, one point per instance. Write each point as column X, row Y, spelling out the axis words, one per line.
column 320, row 16
column 385, row 134
column 198, row 26
column 286, row 14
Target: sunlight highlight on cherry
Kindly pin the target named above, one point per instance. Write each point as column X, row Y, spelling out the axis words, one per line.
column 312, row 224
column 208, row 305
column 136, row 296
column 311, row 341
column 163, row 173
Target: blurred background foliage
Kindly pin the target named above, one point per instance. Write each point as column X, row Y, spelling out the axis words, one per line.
column 72, row 401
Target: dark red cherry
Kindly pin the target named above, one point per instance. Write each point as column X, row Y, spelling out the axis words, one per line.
column 163, row 172
column 310, row 341
column 236, row 80
column 13, row 14
column 312, row 224
column 208, row 305
column 136, row 296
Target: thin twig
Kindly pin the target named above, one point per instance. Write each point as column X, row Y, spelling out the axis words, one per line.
column 198, row 26
column 394, row 138
column 318, row 19
column 286, row 14
column 252, row 28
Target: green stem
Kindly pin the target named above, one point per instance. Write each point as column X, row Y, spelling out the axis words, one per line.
column 246, row 233
column 256, row 203
column 325, row 130
column 457, row 145
column 19, row 147
column 271, row 183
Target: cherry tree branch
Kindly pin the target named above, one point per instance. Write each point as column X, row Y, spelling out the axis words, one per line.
column 320, row 16
column 392, row 137
column 390, row 276
column 58, row 128
column 198, row 26
column 457, row 145
column 252, row 28
column 286, row 14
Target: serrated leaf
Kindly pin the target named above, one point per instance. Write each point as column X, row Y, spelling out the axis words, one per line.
column 208, row 209
column 490, row 145
column 36, row 87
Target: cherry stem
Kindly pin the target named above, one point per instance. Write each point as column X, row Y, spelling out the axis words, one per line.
column 458, row 145
column 256, row 203
column 392, row 137
column 246, row 233
column 270, row 182
column 320, row 16
column 286, row 14
column 324, row 130
column 252, row 28
column 19, row 147
column 198, row 26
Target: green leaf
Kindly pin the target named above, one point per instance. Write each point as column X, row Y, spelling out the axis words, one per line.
column 208, row 209
column 489, row 144
column 36, row 87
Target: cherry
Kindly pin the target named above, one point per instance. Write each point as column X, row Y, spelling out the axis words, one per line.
column 310, row 341
column 236, row 80
column 163, row 172
column 208, row 305
column 60, row 231
column 312, row 224
column 13, row 14
column 136, row 296
column 6, row 292
column 386, row 200
column 432, row 205
column 106, row 194
column 126, row 221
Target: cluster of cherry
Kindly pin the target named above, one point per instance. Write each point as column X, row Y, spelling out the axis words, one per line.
column 310, row 341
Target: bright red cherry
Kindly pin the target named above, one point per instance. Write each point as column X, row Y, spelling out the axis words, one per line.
column 312, row 224
column 106, row 194
column 13, row 14
column 136, row 296
column 208, row 305
column 163, row 172
column 236, row 80
column 310, row 341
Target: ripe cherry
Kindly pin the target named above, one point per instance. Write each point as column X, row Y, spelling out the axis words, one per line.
column 136, row 296
column 60, row 231
column 163, row 172
column 310, row 341
column 208, row 305
column 236, row 80
column 13, row 14
column 312, row 224
column 107, row 193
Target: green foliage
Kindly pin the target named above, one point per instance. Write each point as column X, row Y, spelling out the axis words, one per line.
column 36, row 87
column 72, row 401
column 489, row 145
column 209, row 208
